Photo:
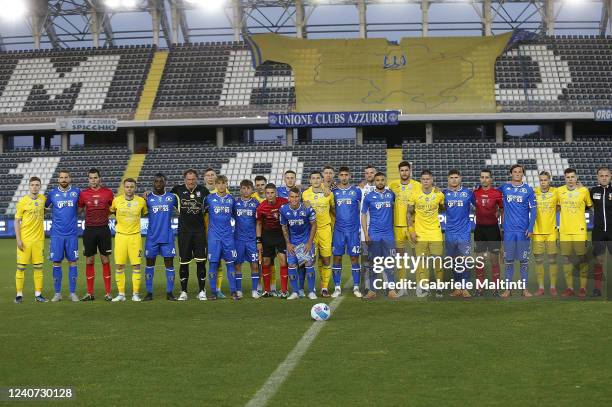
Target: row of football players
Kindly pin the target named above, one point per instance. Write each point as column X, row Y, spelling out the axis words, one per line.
column 267, row 226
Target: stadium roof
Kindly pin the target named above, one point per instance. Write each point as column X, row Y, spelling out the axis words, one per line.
column 28, row 24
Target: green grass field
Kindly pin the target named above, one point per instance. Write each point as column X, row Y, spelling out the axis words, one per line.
column 479, row 352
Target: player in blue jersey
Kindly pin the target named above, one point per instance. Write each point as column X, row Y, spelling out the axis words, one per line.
column 63, row 202
column 245, row 237
column 519, row 219
column 290, row 179
column 379, row 232
column 160, row 236
column 299, row 226
column 458, row 233
column 220, row 206
column 346, row 239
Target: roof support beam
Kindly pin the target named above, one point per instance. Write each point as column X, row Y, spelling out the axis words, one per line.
column 99, row 18
column 363, row 23
column 425, row 18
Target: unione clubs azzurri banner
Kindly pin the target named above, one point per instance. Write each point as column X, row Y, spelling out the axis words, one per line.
column 334, row 119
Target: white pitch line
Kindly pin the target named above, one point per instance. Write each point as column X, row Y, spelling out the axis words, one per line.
column 276, row 379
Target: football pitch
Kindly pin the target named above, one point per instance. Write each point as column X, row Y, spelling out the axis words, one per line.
column 477, row 352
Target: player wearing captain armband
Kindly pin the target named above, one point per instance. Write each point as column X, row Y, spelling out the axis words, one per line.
column 519, row 219
column 63, row 201
column 345, row 239
column 403, row 188
column 574, row 200
column 544, row 239
column 299, row 227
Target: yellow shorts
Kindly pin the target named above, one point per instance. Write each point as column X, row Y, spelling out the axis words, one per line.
column 573, row 244
column 32, row 253
column 323, row 240
column 128, row 247
column 429, row 248
column 402, row 237
column 542, row 244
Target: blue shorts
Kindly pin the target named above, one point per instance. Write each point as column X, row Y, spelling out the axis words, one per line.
column 221, row 250
column 346, row 243
column 455, row 246
column 246, row 251
column 381, row 248
column 516, row 246
column 153, row 249
column 64, row 247
column 293, row 260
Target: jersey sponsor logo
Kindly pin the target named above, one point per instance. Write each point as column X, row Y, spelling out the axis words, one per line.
column 244, row 212
column 454, row 203
column 160, row 208
column 380, row 205
column 222, row 209
column 514, row 198
column 62, row 204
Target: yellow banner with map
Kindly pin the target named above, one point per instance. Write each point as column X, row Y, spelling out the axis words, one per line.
column 418, row 75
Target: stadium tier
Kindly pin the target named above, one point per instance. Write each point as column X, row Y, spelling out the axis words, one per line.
column 548, row 74
column 536, row 156
column 17, row 167
column 270, row 160
column 37, row 86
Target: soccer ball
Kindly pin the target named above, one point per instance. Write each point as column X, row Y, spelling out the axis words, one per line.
column 320, row 312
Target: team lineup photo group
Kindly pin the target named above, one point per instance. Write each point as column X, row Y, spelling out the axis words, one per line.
column 304, row 232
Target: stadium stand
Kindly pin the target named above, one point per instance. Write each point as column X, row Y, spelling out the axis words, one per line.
column 17, row 167
column 470, row 158
column 238, row 162
column 37, row 86
column 218, row 79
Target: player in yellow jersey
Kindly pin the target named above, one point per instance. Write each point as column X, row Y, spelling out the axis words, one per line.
column 544, row 238
column 30, row 237
column 422, row 220
column 574, row 200
column 322, row 202
column 403, row 188
column 128, row 208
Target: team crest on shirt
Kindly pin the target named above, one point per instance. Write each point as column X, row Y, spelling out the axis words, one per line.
column 35, row 203
column 387, row 195
column 129, row 204
column 73, row 194
column 168, row 198
column 302, row 213
column 198, row 194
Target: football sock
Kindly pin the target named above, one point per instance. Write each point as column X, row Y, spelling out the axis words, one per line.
column 136, row 276
column 553, row 269
column 254, row 280
column 72, row 278
column 201, row 274
column 390, row 275
column 325, row 276
column 220, row 280
column 238, row 278
column 106, row 275
column 231, row 276
column 213, row 269
column 149, row 272
column 524, row 270
column 495, row 272
column 90, row 274
column 272, row 278
column 480, row 274
column 301, row 276
column 584, row 272
column 337, row 274
column 266, row 277
column 120, row 279
column 38, row 278
column 439, row 274
column 569, row 279
column 19, row 276
column 355, row 269
column 540, row 274
column 169, row 279
column 184, row 276
column 598, row 275
column 284, row 275
column 57, row 278
column 293, row 279
column 509, row 271
column 310, row 277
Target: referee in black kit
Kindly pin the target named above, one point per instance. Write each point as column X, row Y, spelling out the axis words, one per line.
column 601, row 195
column 191, row 232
